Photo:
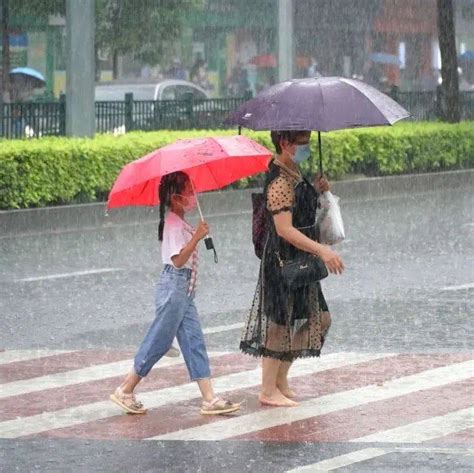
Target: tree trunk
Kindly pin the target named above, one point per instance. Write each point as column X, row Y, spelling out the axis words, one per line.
column 449, row 68
column 5, row 52
column 115, row 65
column 97, row 63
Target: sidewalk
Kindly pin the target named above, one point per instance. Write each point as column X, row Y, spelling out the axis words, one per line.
column 50, row 219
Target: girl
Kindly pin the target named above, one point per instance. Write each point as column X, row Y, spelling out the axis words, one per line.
column 176, row 314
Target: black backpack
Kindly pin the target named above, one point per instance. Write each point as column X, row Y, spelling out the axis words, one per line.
column 259, row 223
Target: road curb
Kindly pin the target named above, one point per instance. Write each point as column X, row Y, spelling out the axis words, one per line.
column 51, row 219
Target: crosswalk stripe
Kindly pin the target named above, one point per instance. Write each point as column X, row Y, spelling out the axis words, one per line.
column 104, row 409
column 222, row 328
column 13, row 356
column 325, row 404
column 340, row 461
column 424, row 430
column 84, row 375
column 357, row 456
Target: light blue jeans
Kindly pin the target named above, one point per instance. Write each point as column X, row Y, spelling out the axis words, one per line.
column 176, row 316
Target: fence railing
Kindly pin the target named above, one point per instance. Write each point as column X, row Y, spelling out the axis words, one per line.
column 20, row 120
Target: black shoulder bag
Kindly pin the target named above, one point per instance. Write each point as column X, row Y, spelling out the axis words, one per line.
column 302, row 270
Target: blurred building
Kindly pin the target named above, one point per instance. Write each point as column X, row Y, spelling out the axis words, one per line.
column 231, row 45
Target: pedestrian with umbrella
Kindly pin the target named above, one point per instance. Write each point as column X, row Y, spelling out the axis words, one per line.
column 289, row 316
column 179, row 171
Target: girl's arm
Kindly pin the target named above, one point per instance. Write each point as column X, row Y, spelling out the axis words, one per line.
column 285, row 229
column 180, row 260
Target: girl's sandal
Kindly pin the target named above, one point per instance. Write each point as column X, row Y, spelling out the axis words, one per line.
column 128, row 402
column 219, row 406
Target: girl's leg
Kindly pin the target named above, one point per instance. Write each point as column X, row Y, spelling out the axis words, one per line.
column 207, row 391
column 170, row 308
column 270, row 394
column 171, row 305
column 130, row 382
column 193, row 347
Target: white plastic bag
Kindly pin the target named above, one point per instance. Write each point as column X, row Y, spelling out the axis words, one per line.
column 329, row 219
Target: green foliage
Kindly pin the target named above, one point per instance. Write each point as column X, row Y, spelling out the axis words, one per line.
column 143, row 28
column 53, row 171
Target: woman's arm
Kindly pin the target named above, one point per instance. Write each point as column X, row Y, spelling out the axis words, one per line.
column 285, row 229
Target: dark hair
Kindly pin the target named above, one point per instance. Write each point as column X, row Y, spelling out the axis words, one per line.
column 287, row 135
column 170, row 184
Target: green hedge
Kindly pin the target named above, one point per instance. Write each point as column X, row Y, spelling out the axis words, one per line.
column 54, row 171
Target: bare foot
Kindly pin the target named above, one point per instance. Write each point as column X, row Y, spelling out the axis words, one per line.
column 287, row 392
column 277, row 399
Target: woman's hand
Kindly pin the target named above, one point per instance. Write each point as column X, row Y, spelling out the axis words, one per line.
column 332, row 261
column 321, row 184
column 202, row 230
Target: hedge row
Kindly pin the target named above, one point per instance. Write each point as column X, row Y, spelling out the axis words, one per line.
column 53, row 171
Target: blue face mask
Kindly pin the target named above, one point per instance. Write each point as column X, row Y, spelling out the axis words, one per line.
column 302, row 153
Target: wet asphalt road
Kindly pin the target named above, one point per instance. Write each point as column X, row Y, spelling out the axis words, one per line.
column 408, row 288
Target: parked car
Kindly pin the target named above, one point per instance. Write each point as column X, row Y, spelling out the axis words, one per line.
column 147, row 113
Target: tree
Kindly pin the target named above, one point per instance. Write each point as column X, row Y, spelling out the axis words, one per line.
column 40, row 9
column 449, row 63
column 143, row 28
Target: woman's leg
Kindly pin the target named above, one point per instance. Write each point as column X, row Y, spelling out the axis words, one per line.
column 270, row 394
column 282, row 379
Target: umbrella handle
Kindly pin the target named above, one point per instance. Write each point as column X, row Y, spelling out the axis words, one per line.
column 320, row 147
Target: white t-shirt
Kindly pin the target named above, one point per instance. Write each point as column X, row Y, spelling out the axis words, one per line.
column 176, row 235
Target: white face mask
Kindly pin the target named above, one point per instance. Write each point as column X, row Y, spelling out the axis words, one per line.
column 190, row 200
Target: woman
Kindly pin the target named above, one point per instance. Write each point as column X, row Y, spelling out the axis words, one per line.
column 286, row 324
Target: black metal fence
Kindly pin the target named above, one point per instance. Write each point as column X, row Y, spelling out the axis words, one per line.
column 20, row 120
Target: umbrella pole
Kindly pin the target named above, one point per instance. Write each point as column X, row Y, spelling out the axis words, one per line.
column 197, row 201
column 208, row 239
column 320, row 154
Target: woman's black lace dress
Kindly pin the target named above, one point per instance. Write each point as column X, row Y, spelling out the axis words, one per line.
column 285, row 324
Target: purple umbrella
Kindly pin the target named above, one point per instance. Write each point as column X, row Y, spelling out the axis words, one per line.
column 321, row 104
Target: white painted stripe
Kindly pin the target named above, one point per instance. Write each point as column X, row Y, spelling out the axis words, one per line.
column 153, row 399
column 12, row 356
column 69, row 275
column 458, row 288
column 223, row 328
column 425, row 430
column 327, row 404
column 358, row 456
column 342, row 460
column 83, row 375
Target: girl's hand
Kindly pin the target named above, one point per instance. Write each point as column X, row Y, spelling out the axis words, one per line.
column 321, row 184
column 332, row 261
column 202, row 230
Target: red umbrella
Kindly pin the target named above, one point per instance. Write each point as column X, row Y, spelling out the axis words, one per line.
column 211, row 163
column 264, row 60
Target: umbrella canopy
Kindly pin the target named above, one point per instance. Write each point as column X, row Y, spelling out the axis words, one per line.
column 322, row 104
column 467, row 56
column 211, row 163
column 385, row 58
column 28, row 72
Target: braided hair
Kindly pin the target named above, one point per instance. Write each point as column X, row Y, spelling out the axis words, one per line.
column 170, row 184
